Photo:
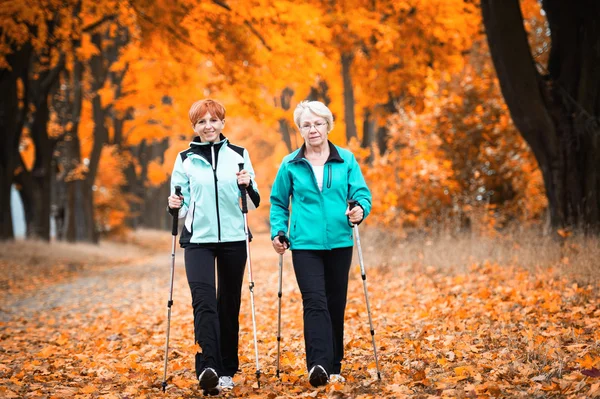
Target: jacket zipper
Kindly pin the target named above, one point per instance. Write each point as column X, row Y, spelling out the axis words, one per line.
column 321, row 195
column 329, row 176
column 214, row 168
column 314, row 178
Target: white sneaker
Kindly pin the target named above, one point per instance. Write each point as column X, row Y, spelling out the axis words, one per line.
column 336, row 378
column 226, row 383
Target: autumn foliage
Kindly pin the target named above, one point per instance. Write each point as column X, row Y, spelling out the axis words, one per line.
column 410, row 83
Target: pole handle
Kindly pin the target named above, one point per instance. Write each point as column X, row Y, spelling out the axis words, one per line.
column 283, row 239
column 351, row 204
column 243, row 191
column 176, row 212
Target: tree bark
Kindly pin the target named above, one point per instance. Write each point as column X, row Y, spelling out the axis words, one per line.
column 556, row 113
column 320, row 92
column 43, row 79
column 12, row 118
column 349, row 117
column 368, row 138
column 99, row 65
column 152, row 213
column 24, row 183
column 284, row 127
column 39, row 220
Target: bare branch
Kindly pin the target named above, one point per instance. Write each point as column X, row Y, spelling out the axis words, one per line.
column 94, row 25
column 246, row 22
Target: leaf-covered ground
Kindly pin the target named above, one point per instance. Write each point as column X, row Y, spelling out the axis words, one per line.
column 491, row 331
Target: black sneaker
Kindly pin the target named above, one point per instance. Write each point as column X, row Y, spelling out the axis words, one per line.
column 209, row 380
column 318, row 376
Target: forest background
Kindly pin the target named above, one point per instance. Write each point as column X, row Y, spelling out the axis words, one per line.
column 95, row 99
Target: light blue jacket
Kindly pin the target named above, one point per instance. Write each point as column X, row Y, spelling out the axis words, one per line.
column 206, row 173
column 318, row 218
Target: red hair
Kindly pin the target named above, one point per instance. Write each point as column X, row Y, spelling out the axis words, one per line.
column 200, row 108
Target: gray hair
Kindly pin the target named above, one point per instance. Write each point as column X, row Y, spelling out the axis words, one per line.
column 317, row 108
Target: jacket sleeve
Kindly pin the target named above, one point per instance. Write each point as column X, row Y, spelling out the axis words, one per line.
column 357, row 187
column 280, row 201
column 252, row 190
column 180, row 178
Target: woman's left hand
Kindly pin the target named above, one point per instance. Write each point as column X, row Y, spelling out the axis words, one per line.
column 355, row 215
column 243, row 178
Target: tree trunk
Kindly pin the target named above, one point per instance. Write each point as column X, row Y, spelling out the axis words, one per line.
column 383, row 135
column 39, row 221
column 382, row 139
column 77, row 222
column 131, row 188
column 70, row 233
column 24, row 183
column 100, row 66
column 152, row 212
column 557, row 113
column 349, row 117
column 43, row 83
column 369, row 125
column 136, row 184
column 99, row 73
column 12, row 118
column 284, row 127
column 320, row 93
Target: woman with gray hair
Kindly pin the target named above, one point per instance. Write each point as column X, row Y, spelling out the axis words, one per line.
column 317, row 180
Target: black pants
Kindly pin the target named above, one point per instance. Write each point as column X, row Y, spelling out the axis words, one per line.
column 216, row 311
column 323, row 280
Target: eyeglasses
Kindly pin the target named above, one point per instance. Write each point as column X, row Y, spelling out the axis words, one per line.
column 317, row 125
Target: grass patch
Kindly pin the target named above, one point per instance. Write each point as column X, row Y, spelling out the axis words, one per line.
column 575, row 257
column 28, row 264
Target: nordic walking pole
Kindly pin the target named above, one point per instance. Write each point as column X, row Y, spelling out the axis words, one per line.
column 245, row 213
column 170, row 302
column 352, row 204
column 282, row 239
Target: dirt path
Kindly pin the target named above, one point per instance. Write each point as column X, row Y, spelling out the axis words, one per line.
column 494, row 331
column 104, row 322
column 122, row 285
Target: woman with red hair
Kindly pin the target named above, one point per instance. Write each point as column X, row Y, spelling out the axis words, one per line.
column 209, row 177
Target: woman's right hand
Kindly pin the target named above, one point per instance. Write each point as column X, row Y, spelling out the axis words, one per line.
column 175, row 201
column 279, row 246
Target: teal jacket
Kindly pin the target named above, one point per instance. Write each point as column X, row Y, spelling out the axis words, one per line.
column 318, row 218
column 206, row 173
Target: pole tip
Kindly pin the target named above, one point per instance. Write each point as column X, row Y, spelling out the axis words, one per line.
column 164, row 386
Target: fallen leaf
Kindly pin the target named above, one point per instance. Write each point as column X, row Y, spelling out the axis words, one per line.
column 593, row 372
